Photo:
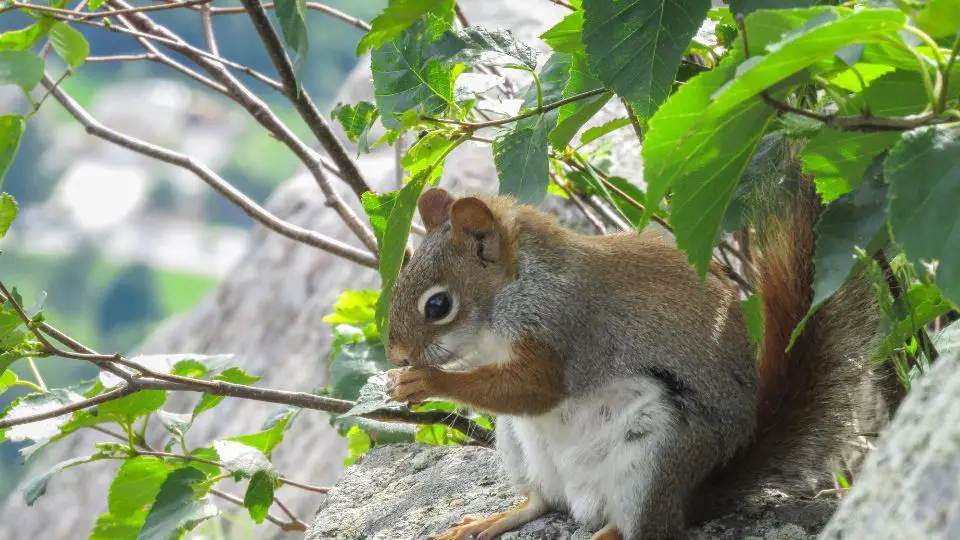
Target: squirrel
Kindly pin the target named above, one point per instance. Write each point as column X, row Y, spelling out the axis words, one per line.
column 626, row 389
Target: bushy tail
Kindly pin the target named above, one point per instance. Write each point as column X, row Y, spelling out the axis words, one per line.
column 813, row 399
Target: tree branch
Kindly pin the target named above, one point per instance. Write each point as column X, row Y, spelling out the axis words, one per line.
column 316, row 6
column 251, row 208
column 265, row 117
column 301, row 100
column 473, row 126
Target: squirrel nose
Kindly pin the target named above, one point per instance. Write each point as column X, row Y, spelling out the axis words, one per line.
column 399, row 355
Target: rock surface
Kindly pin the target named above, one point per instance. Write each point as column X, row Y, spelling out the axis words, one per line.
column 409, row 491
column 910, row 485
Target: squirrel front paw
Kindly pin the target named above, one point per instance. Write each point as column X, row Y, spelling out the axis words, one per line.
column 409, row 383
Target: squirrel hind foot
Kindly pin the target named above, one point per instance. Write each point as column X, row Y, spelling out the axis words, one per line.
column 488, row 528
column 610, row 532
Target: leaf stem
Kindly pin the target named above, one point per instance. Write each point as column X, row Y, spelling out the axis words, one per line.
column 29, row 385
column 41, row 385
column 536, row 79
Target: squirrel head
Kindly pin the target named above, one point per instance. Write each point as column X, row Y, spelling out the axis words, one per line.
column 443, row 297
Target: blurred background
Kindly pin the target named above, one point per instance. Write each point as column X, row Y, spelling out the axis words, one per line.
column 120, row 242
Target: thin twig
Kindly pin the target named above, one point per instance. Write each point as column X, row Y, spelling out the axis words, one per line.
column 117, row 393
column 288, row 526
column 866, row 124
column 533, row 112
column 598, row 225
column 121, row 58
column 250, row 207
column 562, row 3
column 349, row 171
column 268, row 119
column 634, row 121
column 186, row 457
column 76, row 15
column 316, row 6
column 206, row 20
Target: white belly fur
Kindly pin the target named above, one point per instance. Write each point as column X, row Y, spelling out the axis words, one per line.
column 579, row 456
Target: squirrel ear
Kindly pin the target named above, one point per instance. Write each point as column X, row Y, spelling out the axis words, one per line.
column 434, row 206
column 473, row 221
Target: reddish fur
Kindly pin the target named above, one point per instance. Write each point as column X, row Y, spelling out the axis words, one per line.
column 531, row 383
column 786, row 291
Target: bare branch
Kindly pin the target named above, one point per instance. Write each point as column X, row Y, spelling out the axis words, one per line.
column 112, row 395
column 316, row 6
column 598, row 225
column 349, row 171
column 532, row 112
column 121, row 58
column 208, row 35
column 250, row 207
column 265, row 117
column 284, row 525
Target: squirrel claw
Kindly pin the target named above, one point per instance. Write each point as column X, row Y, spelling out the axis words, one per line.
column 408, row 384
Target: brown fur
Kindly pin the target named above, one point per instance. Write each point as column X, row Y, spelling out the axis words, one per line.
column 808, row 398
column 531, row 383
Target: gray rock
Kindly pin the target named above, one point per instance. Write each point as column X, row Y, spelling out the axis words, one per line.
column 910, row 485
column 408, row 491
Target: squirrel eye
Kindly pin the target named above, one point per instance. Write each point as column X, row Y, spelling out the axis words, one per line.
column 438, row 305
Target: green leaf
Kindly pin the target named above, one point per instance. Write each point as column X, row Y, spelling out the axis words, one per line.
column 819, row 39
column 596, row 132
column 838, row 159
column 398, row 16
column 373, row 397
column 520, row 157
column 353, row 365
column 37, row 486
column 292, row 15
column 635, row 46
column 22, row 68
column 356, row 121
column 7, row 379
column 476, row 45
column 745, row 7
column 924, row 177
column 233, row 375
column 378, row 207
column 567, row 35
column 11, row 132
column 855, row 220
column 136, row 486
column 354, row 307
column 939, row 18
column 947, row 341
column 406, row 79
column 272, row 435
column 69, row 44
column 913, row 311
column 753, row 317
column 427, row 151
column 358, row 442
column 702, row 158
column 127, row 409
column 111, row 527
column 626, row 208
column 553, row 79
column 241, row 459
column 574, row 115
column 394, row 243
column 177, row 508
column 37, row 403
column 766, row 167
column 175, row 424
column 8, row 212
column 259, row 496
column 25, row 38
